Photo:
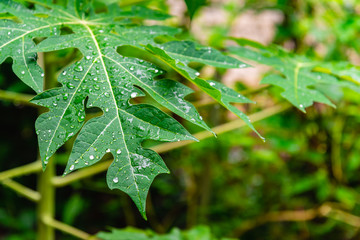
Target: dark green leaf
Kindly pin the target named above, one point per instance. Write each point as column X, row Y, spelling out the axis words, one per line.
column 298, row 75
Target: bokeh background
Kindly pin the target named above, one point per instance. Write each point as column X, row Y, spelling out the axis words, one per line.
column 302, row 183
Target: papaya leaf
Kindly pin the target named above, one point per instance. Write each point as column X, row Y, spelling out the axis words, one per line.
column 102, row 79
column 184, row 52
column 107, row 80
column 298, row 76
column 193, row 6
column 199, row 233
column 178, row 60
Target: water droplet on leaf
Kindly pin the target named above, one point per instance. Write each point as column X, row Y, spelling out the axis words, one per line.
column 70, row 85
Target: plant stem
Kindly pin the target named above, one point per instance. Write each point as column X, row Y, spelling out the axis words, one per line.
column 21, row 171
column 46, row 208
column 66, row 228
column 87, row 172
column 17, row 98
column 22, row 190
column 224, row 127
column 336, row 135
column 325, row 210
column 165, row 147
column 46, row 205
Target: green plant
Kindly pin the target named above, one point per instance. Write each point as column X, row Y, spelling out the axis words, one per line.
column 106, row 80
column 120, row 60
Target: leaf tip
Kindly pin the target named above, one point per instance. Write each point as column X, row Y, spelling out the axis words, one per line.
column 143, row 214
column 215, row 135
column 192, row 138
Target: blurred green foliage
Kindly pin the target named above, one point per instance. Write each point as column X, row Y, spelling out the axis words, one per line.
column 197, row 233
column 302, row 183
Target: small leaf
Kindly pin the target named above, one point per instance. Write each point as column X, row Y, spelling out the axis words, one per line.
column 299, row 77
column 185, row 52
column 217, row 91
column 224, row 95
column 145, row 13
column 193, row 6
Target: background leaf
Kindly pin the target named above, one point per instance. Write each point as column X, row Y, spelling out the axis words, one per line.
column 297, row 76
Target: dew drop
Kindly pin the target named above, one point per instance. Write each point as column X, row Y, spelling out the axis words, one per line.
column 23, row 72
column 118, row 151
column 72, row 167
column 64, row 73
column 116, row 180
column 301, row 106
column 70, row 85
column 197, row 73
column 108, row 150
column 81, row 118
column 134, row 94
column 212, row 84
column 78, row 68
column 91, row 157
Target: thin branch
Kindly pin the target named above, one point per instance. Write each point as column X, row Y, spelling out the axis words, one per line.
column 340, row 215
column 17, row 98
column 87, row 172
column 66, row 228
column 20, row 171
column 208, row 101
column 336, row 137
column 325, row 210
column 165, row 147
column 22, row 190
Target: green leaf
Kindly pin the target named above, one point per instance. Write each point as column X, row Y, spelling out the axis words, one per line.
column 129, row 233
column 106, row 80
column 145, row 13
column 123, row 234
column 298, row 76
column 178, row 59
column 184, row 52
column 16, row 39
column 193, row 6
